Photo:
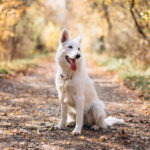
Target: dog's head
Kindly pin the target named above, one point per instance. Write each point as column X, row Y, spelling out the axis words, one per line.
column 69, row 50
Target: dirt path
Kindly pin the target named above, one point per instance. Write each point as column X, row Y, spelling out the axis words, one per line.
column 32, row 100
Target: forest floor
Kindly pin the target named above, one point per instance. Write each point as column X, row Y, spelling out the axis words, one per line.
column 29, row 99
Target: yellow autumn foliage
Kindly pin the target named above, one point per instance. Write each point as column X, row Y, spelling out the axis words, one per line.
column 10, row 13
column 51, row 35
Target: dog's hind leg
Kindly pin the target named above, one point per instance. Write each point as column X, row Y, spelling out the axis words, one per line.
column 89, row 120
column 95, row 127
column 99, row 115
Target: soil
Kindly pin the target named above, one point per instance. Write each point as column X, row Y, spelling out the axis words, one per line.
column 29, row 100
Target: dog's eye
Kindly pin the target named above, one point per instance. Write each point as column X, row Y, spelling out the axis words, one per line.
column 79, row 48
column 70, row 47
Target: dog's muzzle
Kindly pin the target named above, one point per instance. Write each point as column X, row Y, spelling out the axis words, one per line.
column 72, row 62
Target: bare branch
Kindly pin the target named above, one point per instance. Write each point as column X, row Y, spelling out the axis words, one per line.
column 135, row 20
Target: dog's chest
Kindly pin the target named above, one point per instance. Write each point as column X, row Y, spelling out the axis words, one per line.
column 69, row 90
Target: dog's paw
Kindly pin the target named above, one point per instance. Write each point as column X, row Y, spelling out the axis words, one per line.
column 95, row 127
column 59, row 126
column 76, row 132
column 71, row 124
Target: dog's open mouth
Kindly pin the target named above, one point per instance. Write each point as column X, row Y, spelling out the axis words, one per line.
column 72, row 63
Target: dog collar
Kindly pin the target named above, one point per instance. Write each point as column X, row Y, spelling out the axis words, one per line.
column 66, row 78
column 61, row 75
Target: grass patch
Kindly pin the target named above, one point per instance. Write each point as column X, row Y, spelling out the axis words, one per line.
column 3, row 71
column 7, row 67
column 135, row 75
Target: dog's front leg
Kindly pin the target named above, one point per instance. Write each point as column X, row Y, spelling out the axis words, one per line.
column 63, row 106
column 79, row 116
column 63, row 116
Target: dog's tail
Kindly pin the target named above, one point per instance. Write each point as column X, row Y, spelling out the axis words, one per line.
column 109, row 121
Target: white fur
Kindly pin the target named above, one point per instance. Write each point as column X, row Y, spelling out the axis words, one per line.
column 79, row 101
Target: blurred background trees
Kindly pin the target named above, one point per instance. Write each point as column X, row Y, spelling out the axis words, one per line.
column 128, row 27
column 120, row 28
column 24, row 24
column 10, row 14
column 116, row 33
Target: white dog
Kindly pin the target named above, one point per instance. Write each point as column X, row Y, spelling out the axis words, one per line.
column 79, row 101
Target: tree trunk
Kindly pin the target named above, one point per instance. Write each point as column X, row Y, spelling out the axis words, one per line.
column 13, row 45
column 106, row 13
column 135, row 20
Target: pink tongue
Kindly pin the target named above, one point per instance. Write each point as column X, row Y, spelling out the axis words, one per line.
column 73, row 65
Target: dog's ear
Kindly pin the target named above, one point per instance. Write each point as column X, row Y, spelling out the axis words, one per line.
column 64, row 35
column 78, row 38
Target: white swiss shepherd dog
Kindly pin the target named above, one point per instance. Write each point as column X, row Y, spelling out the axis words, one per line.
column 80, row 104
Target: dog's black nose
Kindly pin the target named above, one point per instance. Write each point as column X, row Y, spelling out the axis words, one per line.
column 78, row 56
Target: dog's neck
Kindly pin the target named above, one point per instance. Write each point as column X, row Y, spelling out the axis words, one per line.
column 65, row 73
column 66, row 77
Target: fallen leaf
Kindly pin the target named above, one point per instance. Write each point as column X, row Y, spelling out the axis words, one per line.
column 82, row 137
column 93, row 139
column 101, row 139
column 10, row 148
column 17, row 113
column 5, row 114
column 33, row 111
column 43, row 140
column 67, row 142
